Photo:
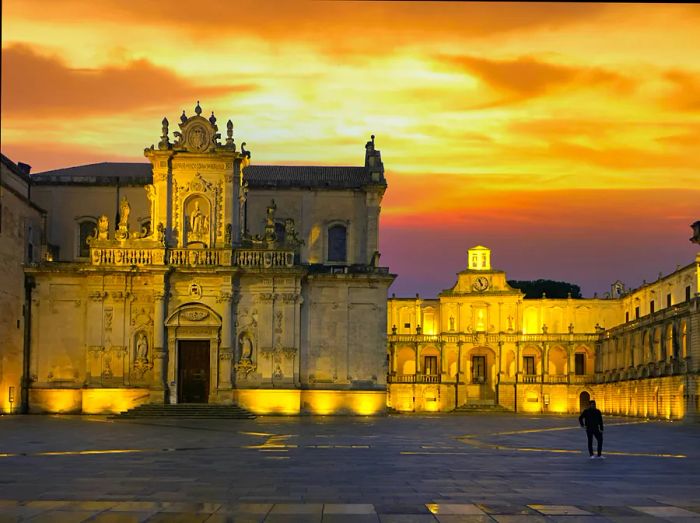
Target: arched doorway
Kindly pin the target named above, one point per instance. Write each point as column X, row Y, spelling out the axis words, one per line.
column 194, row 374
column 584, row 400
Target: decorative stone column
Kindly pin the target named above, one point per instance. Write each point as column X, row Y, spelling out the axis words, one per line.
column 226, row 348
column 159, row 385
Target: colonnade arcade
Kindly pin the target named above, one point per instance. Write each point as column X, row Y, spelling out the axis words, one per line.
column 491, row 359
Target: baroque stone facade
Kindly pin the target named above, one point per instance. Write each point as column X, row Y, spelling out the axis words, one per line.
column 202, row 278
column 481, row 344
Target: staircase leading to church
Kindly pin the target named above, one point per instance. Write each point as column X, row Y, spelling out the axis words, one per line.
column 186, row 411
column 481, row 407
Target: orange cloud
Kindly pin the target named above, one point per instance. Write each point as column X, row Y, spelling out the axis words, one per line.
column 527, row 77
column 40, row 86
column 301, row 20
column 685, row 92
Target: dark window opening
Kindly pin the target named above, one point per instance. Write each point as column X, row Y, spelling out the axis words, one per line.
column 636, row 313
column 479, row 369
column 406, row 325
column 651, row 307
column 687, row 293
column 668, row 300
column 430, row 366
column 627, row 316
column 279, row 232
column 87, row 229
column 579, row 364
column 529, row 364
column 337, row 243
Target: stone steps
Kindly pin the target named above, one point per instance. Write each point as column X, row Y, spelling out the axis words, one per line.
column 186, row 411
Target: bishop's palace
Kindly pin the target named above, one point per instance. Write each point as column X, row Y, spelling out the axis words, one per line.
column 203, row 278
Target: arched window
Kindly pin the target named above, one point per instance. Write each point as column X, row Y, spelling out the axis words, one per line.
column 86, row 230
column 337, row 243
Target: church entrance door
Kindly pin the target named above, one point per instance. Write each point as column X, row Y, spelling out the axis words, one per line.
column 193, row 371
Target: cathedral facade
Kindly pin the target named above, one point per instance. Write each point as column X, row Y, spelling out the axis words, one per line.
column 200, row 278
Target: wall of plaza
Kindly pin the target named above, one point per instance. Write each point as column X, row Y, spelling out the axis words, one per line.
column 21, row 231
column 482, row 343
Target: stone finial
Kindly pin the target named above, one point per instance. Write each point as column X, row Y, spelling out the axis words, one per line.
column 164, row 140
column 198, row 109
column 183, row 117
column 212, row 119
column 229, row 133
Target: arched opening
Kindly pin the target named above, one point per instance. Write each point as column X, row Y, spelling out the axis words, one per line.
column 406, row 361
column 557, row 363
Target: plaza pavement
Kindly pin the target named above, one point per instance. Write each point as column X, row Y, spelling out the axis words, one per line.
column 401, row 468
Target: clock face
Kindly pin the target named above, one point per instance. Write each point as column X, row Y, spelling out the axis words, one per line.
column 481, row 283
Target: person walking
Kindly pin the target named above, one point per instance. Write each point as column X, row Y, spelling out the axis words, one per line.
column 592, row 419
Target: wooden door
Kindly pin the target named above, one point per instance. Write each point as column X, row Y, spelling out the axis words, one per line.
column 193, row 371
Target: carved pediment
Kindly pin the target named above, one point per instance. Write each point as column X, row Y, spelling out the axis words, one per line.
column 197, row 134
column 194, row 314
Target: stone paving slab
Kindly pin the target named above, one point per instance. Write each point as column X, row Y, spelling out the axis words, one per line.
column 49, row 511
column 398, row 468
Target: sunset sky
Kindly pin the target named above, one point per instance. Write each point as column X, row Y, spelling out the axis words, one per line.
column 565, row 137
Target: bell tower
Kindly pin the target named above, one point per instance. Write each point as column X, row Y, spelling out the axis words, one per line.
column 197, row 188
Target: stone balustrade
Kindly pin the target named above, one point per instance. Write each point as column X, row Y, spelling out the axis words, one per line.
column 199, row 257
column 127, row 256
column 264, row 259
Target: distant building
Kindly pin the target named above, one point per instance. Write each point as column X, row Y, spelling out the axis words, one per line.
column 197, row 278
column 481, row 344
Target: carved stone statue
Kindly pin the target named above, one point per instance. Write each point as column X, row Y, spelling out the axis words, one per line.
column 124, row 210
column 142, row 347
column 122, row 232
column 290, row 234
column 246, row 348
column 161, row 233
column 199, row 223
column 270, row 234
column 102, row 227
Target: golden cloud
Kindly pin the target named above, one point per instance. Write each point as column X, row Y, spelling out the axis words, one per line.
column 36, row 85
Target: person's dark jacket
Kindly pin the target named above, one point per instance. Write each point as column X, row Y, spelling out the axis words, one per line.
column 591, row 418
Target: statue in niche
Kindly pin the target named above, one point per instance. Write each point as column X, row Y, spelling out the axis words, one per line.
column 142, row 347
column 246, row 348
column 199, row 223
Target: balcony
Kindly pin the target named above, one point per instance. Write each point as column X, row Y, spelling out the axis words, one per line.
column 531, row 378
column 557, row 378
column 414, row 378
column 126, row 256
column 263, row 259
column 199, row 257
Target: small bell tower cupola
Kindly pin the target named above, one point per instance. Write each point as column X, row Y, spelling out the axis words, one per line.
column 479, row 258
